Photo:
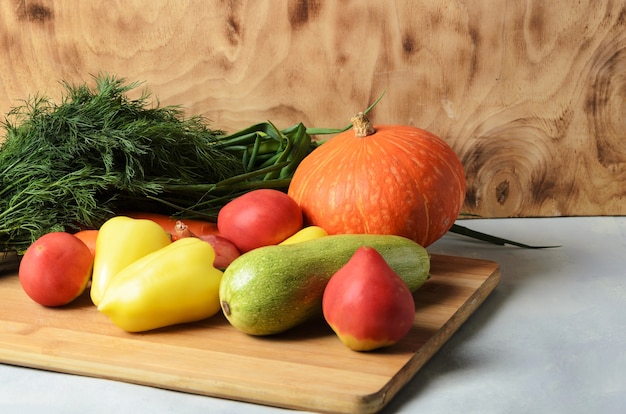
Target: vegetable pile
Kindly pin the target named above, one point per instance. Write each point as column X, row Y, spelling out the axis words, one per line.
column 165, row 221
column 73, row 165
column 143, row 278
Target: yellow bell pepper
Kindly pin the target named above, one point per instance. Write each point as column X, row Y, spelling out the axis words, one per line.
column 307, row 233
column 175, row 284
column 122, row 240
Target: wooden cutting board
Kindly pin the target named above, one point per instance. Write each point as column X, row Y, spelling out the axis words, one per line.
column 306, row 368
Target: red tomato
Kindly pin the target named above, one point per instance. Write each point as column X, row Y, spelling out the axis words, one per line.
column 259, row 218
column 55, row 269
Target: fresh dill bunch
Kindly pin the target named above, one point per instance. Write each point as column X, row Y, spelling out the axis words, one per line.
column 75, row 164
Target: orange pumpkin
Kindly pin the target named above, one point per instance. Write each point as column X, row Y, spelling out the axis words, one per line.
column 383, row 179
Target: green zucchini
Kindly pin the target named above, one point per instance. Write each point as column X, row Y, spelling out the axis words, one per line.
column 274, row 288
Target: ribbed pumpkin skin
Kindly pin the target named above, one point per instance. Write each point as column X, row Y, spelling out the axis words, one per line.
column 400, row 180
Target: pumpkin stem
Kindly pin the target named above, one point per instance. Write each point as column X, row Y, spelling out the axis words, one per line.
column 362, row 125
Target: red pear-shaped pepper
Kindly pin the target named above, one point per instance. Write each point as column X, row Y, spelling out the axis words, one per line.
column 367, row 304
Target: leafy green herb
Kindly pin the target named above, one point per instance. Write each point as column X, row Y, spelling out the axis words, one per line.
column 75, row 164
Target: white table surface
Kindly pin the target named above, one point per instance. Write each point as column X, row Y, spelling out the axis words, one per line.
column 550, row 339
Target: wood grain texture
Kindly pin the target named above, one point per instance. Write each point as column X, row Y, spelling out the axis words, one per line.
column 305, row 368
column 530, row 94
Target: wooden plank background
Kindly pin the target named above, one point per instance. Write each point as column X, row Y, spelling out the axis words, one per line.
column 530, row 94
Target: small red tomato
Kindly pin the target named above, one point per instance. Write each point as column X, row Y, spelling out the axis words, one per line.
column 259, row 218
column 55, row 269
